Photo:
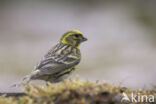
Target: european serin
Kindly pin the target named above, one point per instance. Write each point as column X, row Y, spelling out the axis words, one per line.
column 61, row 60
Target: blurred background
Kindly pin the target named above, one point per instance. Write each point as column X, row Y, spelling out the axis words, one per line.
column 121, row 46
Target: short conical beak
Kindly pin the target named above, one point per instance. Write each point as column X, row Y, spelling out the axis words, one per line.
column 84, row 39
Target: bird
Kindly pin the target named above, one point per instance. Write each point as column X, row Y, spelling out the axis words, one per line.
column 61, row 60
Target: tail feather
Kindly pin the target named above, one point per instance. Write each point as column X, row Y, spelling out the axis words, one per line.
column 24, row 82
column 26, row 79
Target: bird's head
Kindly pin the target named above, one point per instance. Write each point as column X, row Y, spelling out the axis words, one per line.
column 74, row 38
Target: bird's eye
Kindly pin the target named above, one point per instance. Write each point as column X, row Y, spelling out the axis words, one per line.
column 76, row 35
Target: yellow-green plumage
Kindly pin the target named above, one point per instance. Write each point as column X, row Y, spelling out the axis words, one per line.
column 61, row 60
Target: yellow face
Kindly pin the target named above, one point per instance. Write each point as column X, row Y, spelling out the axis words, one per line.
column 73, row 38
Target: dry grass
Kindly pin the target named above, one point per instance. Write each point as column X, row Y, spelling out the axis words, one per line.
column 73, row 92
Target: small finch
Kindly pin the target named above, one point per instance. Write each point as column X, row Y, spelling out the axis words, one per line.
column 60, row 61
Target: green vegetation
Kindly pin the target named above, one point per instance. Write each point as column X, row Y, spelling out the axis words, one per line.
column 73, row 92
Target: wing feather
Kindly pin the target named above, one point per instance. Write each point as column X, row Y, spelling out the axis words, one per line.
column 56, row 63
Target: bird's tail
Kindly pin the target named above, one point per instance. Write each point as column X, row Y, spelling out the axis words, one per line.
column 26, row 79
column 23, row 82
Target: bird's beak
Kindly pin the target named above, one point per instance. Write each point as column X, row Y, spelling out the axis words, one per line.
column 84, row 39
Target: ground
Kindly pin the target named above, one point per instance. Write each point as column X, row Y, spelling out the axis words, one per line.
column 74, row 92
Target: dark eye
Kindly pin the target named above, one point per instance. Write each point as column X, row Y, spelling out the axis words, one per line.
column 76, row 35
